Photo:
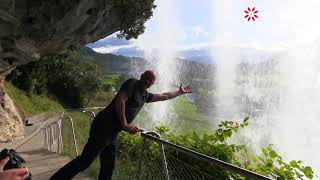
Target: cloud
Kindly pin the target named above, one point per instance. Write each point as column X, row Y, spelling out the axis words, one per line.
column 114, row 45
column 111, row 49
column 125, row 50
column 195, row 46
column 133, row 51
column 198, row 31
column 111, row 40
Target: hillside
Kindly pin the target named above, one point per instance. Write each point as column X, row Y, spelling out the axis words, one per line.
column 109, row 62
column 196, row 74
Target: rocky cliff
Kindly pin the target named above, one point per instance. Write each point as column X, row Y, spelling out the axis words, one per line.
column 32, row 28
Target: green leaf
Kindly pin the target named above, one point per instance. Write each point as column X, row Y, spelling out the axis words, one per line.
column 293, row 164
column 273, row 154
column 227, row 133
column 308, row 172
column 265, row 151
column 246, row 119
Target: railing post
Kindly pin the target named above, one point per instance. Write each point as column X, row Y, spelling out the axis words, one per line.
column 47, row 138
column 60, row 132
column 164, row 159
column 163, row 155
column 52, row 139
column 90, row 113
column 60, row 146
column 74, row 136
column 144, row 145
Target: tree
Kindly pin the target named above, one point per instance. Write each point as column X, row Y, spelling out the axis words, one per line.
column 89, row 81
column 133, row 14
column 71, row 81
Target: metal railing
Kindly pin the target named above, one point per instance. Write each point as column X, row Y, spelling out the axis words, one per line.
column 54, row 143
column 53, row 139
column 155, row 137
column 163, row 155
column 52, row 135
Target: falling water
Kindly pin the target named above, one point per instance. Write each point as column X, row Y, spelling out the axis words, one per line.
column 297, row 124
column 225, row 59
column 280, row 94
column 159, row 42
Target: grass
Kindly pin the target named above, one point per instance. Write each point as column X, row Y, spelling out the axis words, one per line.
column 111, row 79
column 31, row 105
column 101, row 99
column 188, row 116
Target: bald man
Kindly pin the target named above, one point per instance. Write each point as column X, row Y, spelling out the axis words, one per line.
column 117, row 116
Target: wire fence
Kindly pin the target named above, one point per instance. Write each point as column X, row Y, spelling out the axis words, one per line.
column 183, row 163
column 150, row 165
column 153, row 167
column 155, row 159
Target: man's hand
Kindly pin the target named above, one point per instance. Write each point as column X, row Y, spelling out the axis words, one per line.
column 131, row 128
column 170, row 95
column 184, row 90
column 12, row 174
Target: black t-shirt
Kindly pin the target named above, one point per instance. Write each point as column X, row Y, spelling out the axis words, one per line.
column 137, row 96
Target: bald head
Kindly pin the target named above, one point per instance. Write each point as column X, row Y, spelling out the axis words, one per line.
column 148, row 78
column 149, row 74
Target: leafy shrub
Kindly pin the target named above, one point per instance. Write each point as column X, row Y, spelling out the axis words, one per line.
column 271, row 164
column 215, row 144
column 72, row 82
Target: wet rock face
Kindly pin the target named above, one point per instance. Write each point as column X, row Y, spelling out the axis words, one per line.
column 31, row 28
column 11, row 124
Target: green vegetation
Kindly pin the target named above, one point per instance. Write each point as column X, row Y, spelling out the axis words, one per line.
column 270, row 163
column 111, row 79
column 110, row 82
column 31, row 105
column 72, row 82
column 212, row 143
column 133, row 14
column 187, row 115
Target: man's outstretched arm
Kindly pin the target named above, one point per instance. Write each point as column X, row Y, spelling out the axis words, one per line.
column 171, row 95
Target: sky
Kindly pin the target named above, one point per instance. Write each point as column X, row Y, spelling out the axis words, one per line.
column 200, row 24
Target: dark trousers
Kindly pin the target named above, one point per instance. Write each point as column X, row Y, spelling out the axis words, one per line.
column 102, row 141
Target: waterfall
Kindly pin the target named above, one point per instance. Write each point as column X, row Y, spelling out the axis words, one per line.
column 279, row 91
column 159, row 43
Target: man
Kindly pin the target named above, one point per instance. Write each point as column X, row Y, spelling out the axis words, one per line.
column 117, row 116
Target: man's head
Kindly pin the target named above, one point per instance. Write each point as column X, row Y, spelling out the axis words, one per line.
column 148, row 78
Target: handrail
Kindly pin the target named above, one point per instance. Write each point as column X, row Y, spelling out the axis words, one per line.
column 209, row 159
column 73, row 133
column 53, row 130
column 91, row 114
column 49, row 129
column 87, row 108
column 163, row 155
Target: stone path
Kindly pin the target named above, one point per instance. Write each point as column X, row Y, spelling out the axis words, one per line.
column 41, row 163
